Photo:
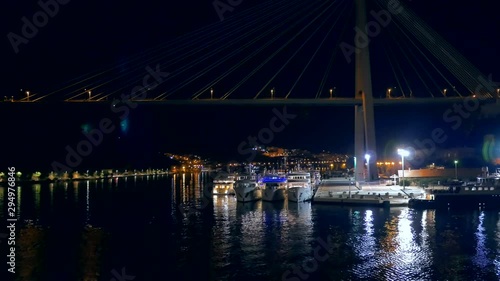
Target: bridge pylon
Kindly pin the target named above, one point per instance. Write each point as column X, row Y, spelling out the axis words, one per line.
column 364, row 121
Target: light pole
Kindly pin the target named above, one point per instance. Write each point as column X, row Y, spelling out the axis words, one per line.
column 403, row 153
column 89, row 95
column 355, row 165
column 211, row 93
column 272, row 93
column 28, row 95
column 367, row 157
column 456, row 171
column 331, row 93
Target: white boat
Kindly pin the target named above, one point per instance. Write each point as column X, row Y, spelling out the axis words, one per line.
column 315, row 178
column 300, row 188
column 247, row 188
column 224, row 185
column 274, row 187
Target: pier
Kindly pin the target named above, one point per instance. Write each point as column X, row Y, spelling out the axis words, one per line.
column 345, row 192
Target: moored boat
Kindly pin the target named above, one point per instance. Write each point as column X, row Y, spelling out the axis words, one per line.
column 275, row 186
column 299, row 186
column 246, row 188
column 485, row 193
column 224, row 185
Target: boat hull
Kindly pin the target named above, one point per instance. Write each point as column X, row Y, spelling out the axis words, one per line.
column 246, row 194
column 271, row 194
column 364, row 200
column 299, row 194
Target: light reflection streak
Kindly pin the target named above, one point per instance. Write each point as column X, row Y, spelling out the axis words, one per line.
column 75, row 190
column 252, row 235
column 65, row 190
column 183, row 188
column 172, row 197
column 297, row 232
column 497, row 239
column 87, row 202
column 481, row 258
column 399, row 256
column 3, row 190
column 36, row 189
column 364, row 243
column 51, row 188
column 222, row 230
column 18, row 202
column 410, row 258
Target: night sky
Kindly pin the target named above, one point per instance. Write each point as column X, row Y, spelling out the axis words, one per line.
column 85, row 37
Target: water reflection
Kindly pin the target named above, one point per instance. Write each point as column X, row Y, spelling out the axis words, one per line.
column 92, row 245
column 30, row 251
column 363, row 242
column 400, row 248
column 81, row 230
column 3, row 195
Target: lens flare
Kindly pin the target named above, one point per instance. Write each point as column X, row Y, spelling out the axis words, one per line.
column 124, row 126
column 488, row 150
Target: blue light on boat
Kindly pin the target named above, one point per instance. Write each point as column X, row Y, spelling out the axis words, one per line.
column 275, row 179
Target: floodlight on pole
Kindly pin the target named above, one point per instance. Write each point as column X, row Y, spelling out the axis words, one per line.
column 403, row 153
column 367, row 157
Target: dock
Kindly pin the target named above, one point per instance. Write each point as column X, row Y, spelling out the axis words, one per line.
column 344, row 192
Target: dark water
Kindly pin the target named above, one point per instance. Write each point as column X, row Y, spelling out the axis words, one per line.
column 159, row 228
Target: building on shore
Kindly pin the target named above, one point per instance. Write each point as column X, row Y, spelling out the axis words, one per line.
column 441, row 173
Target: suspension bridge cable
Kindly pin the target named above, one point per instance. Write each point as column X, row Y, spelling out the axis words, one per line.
column 215, row 52
column 283, row 46
column 424, row 69
column 415, row 69
column 272, row 40
column 300, row 48
column 230, row 70
column 236, row 51
column 409, row 39
column 220, row 41
column 332, row 59
column 393, row 69
column 315, row 53
column 197, row 35
column 432, row 49
column 442, row 50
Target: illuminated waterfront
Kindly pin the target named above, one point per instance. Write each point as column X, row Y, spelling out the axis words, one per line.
column 86, row 230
